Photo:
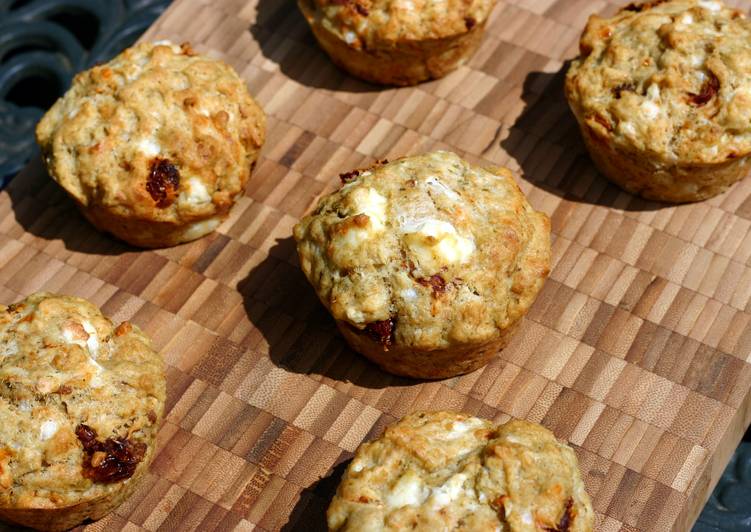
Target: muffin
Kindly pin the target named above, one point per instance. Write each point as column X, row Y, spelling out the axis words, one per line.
column 398, row 42
column 80, row 404
column 662, row 93
column 427, row 263
column 449, row 471
column 155, row 145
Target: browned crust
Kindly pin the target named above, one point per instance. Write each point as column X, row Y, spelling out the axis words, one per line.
column 208, row 129
column 426, row 364
column 650, row 178
column 56, row 519
column 148, row 234
column 407, row 63
column 640, row 168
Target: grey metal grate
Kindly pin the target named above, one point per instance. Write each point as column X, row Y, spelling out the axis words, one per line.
column 43, row 43
column 728, row 508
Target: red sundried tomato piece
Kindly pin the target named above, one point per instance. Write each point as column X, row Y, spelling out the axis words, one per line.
column 709, row 88
column 500, row 509
column 638, row 8
column 604, row 122
column 619, row 89
column 382, row 331
column 163, row 182
column 469, row 22
column 187, row 49
column 111, row 460
column 348, row 177
column 566, row 519
column 87, row 437
column 435, row 282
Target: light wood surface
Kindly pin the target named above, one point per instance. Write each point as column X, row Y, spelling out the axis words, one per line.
column 637, row 350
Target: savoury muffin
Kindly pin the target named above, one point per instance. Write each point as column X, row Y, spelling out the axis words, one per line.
column 80, row 405
column 662, row 92
column 398, row 42
column 449, row 471
column 426, row 263
column 155, row 145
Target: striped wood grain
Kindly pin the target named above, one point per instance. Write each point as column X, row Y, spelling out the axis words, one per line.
column 638, row 350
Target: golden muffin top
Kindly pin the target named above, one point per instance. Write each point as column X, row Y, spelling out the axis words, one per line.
column 449, row 471
column 80, row 402
column 376, row 23
column 426, row 251
column 159, row 133
column 672, row 78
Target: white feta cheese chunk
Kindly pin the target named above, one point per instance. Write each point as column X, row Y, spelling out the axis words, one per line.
column 92, row 343
column 196, row 192
column 373, row 205
column 149, row 147
column 650, row 109
column 440, row 187
column 435, row 243
column 409, row 490
column 368, row 202
column 48, row 429
column 710, row 5
column 448, row 492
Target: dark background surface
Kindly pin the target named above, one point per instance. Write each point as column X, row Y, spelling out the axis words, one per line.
column 43, row 43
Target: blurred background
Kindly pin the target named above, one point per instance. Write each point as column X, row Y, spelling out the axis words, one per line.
column 43, row 43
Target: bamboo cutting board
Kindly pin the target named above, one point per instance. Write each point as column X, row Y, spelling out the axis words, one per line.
column 637, row 351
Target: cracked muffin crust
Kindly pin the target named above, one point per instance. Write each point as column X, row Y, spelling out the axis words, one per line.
column 398, row 42
column 426, row 263
column 155, row 145
column 451, row 471
column 662, row 92
column 80, row 405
